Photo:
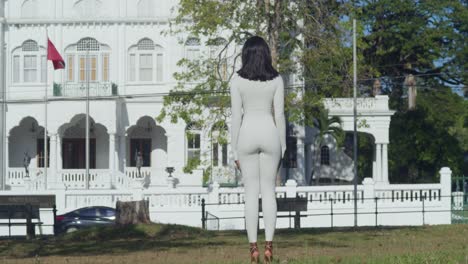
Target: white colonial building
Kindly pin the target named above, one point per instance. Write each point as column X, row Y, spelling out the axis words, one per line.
column 131, row 65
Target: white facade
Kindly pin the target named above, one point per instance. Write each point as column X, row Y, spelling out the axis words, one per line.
column 131, row 65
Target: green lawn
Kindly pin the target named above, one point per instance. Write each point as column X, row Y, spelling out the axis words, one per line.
column 158, row 243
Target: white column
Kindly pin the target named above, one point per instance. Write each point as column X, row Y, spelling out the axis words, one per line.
column 446, row 193
column 169, row 154
column 59, row 154
column 374, row 169
column 378, row 157
column 112, row 156
column 51, row 177
column 123, row 151
column 384, row 175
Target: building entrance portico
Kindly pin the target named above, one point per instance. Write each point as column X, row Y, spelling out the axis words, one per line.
column 73, row 145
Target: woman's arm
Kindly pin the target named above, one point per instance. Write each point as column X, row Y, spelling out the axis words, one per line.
column 280, row 121
column 236, row 115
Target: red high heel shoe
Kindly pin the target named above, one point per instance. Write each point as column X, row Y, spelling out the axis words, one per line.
column 268, row 258
column 254, row 254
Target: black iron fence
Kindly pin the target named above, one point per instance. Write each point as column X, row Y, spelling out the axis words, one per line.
column 458, row 208
column 27, row 215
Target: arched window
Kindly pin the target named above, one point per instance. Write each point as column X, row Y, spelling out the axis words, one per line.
column 87, row 53
column 145, row 8
column 218, row 55
column 192, row 48
column 193, row 133
column 29, row 63
column 324, row 155
column 29, row 9
column 145, row 62
column 219, row 150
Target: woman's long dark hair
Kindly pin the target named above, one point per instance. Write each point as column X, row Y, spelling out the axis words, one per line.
column 256, row 61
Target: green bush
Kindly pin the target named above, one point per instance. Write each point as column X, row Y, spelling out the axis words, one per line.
column 57, row 89
column 115, row 89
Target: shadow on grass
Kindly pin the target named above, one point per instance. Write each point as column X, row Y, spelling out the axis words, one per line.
column 164, row 237
column 111, row 239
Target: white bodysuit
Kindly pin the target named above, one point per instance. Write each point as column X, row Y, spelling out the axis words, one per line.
column 258, row 141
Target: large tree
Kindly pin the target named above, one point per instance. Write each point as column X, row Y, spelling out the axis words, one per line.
column 429, row 138
column 423, row 38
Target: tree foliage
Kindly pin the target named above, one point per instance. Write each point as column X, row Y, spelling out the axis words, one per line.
column 428, row 138
column 423, row 38
column 310, row 42
column 300, row 34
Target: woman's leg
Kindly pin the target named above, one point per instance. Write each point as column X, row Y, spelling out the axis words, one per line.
column 269, row 165
column 249, row 164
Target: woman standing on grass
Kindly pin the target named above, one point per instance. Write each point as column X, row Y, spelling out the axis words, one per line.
column 258, row 138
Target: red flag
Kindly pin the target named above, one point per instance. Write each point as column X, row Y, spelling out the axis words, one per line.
column 54, row 56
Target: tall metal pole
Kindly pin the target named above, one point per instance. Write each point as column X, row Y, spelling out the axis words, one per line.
column 45, row 117
column 3, row 145
column 87, row 115
column 355, row 122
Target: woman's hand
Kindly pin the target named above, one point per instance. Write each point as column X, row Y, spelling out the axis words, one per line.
column 237, row 164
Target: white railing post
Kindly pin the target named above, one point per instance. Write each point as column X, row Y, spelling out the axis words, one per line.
column 368, row 185
column 213, row 196
column 446, row 192
column 291, row 188
column 61, row 200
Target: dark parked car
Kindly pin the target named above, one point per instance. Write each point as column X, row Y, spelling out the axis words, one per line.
column 85, row 217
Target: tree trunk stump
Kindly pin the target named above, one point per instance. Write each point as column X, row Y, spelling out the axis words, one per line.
column 134, row 212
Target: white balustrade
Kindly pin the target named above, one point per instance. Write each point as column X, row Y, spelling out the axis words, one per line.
column 177, row 198
column 79, row 89
column 132, row 172
column 363, row 104
column 408, row 192
column 16, row 176
column 231, row 196
column 407, row 204
column 76, row 178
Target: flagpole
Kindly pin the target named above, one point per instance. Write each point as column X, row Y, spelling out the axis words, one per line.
column 4, row 146
column 355, row 139
column 87, row 114
column 45, row 114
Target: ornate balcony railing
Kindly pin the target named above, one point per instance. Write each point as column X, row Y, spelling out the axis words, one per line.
column 79, row 89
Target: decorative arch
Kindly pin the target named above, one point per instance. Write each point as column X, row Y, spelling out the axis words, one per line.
column 26, row 137
column 146, row 136
column 73, row 134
